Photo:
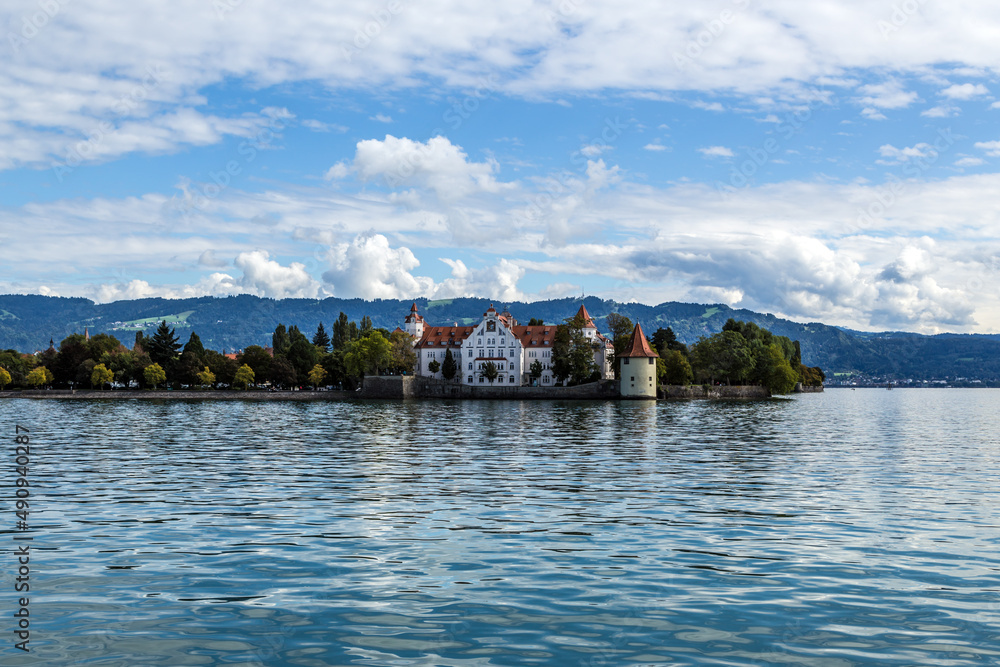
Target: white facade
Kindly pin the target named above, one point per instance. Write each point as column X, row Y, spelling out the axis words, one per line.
column 497, row 338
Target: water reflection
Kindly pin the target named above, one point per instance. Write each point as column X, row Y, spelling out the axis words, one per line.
column 847, row 528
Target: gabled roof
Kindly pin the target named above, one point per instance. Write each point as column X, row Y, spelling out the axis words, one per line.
column 638, row 346
column 543, row 335
column 444, row 336
column 588, row 321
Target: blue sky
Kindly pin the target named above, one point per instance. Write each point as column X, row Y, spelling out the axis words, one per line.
column 831, row 161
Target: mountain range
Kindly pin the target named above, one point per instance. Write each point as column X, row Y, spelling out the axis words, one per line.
column 29, row 322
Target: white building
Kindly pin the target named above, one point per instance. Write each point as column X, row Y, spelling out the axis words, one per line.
column 637, row 367
column 498, row 338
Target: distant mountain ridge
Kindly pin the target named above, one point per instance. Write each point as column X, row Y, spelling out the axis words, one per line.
column 28, row 322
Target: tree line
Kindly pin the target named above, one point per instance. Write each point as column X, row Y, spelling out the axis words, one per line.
column 742, row 353
column 341, row 358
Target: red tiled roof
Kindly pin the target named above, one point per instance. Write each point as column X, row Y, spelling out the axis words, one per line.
column 588, row 321
column 444, row 336
column 544, row 335
column 638, row 346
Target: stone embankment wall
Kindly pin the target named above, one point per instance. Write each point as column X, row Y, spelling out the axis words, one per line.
column 123, row 395
column 422, row 387
column 701, row 391
column 802, row 389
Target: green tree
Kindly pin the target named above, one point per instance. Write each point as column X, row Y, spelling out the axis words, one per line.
column 72, row 352
column 283, row 373
column 206, row 377
column 321, row 339
column 244, row 377
column 342, row 334
column 535, row 370
column 676, row 368
column 39, row 376
column 665, row 339
column 222, row 366
column 366, row 325
column 535, row 322
column 195, row 347
column 84, row 372
column 280, row 340
column 302, row 355
column 490, row 372
column 4, row 378
column 163, row 347
column 186, row 368
column 100, row 376
column 154, row 374
column 449, row 369
column 434, row 366
column 259, row 360
column 620, row 328
column 726, row 354
column 317, row 375
column 333, row 363
column 404, row 359
column 367, row 355
column 101, row 343
column 778, row 376
column 572, row 353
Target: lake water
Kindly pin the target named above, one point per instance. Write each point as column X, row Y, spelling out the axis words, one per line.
column 851, row 527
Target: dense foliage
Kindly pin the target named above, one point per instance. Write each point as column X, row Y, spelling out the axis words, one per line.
column 27, row 322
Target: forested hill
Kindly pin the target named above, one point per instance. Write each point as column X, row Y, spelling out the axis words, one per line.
column 27, row 323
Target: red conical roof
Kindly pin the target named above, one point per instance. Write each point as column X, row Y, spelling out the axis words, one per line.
column 638, row 346
column 588, row 321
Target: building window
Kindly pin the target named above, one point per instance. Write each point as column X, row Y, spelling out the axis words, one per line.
column 470, row 365
column 480, row 379
column 470, row 379
column 479, row 341
column 652, row 361
column 512, row 353
column 512, row 379
column 633, row 379
column 625, row 360
column 511, row 366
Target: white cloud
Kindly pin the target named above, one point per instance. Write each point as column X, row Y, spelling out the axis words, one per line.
column 436, row 164
column 320, row 126
column 943, row 111
column 888, row 95
column 497, row 281
column 381, row 118
column 656, row 147
column 593, row 150
column 965, row 91
column 209, row 259
column 265, row 277
column 369, row 268
column 992, row 148
column 969, row 162
column 716, row 151
column 873, row 114
column 337, row 171
column 895, row 155
column 708, row 106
